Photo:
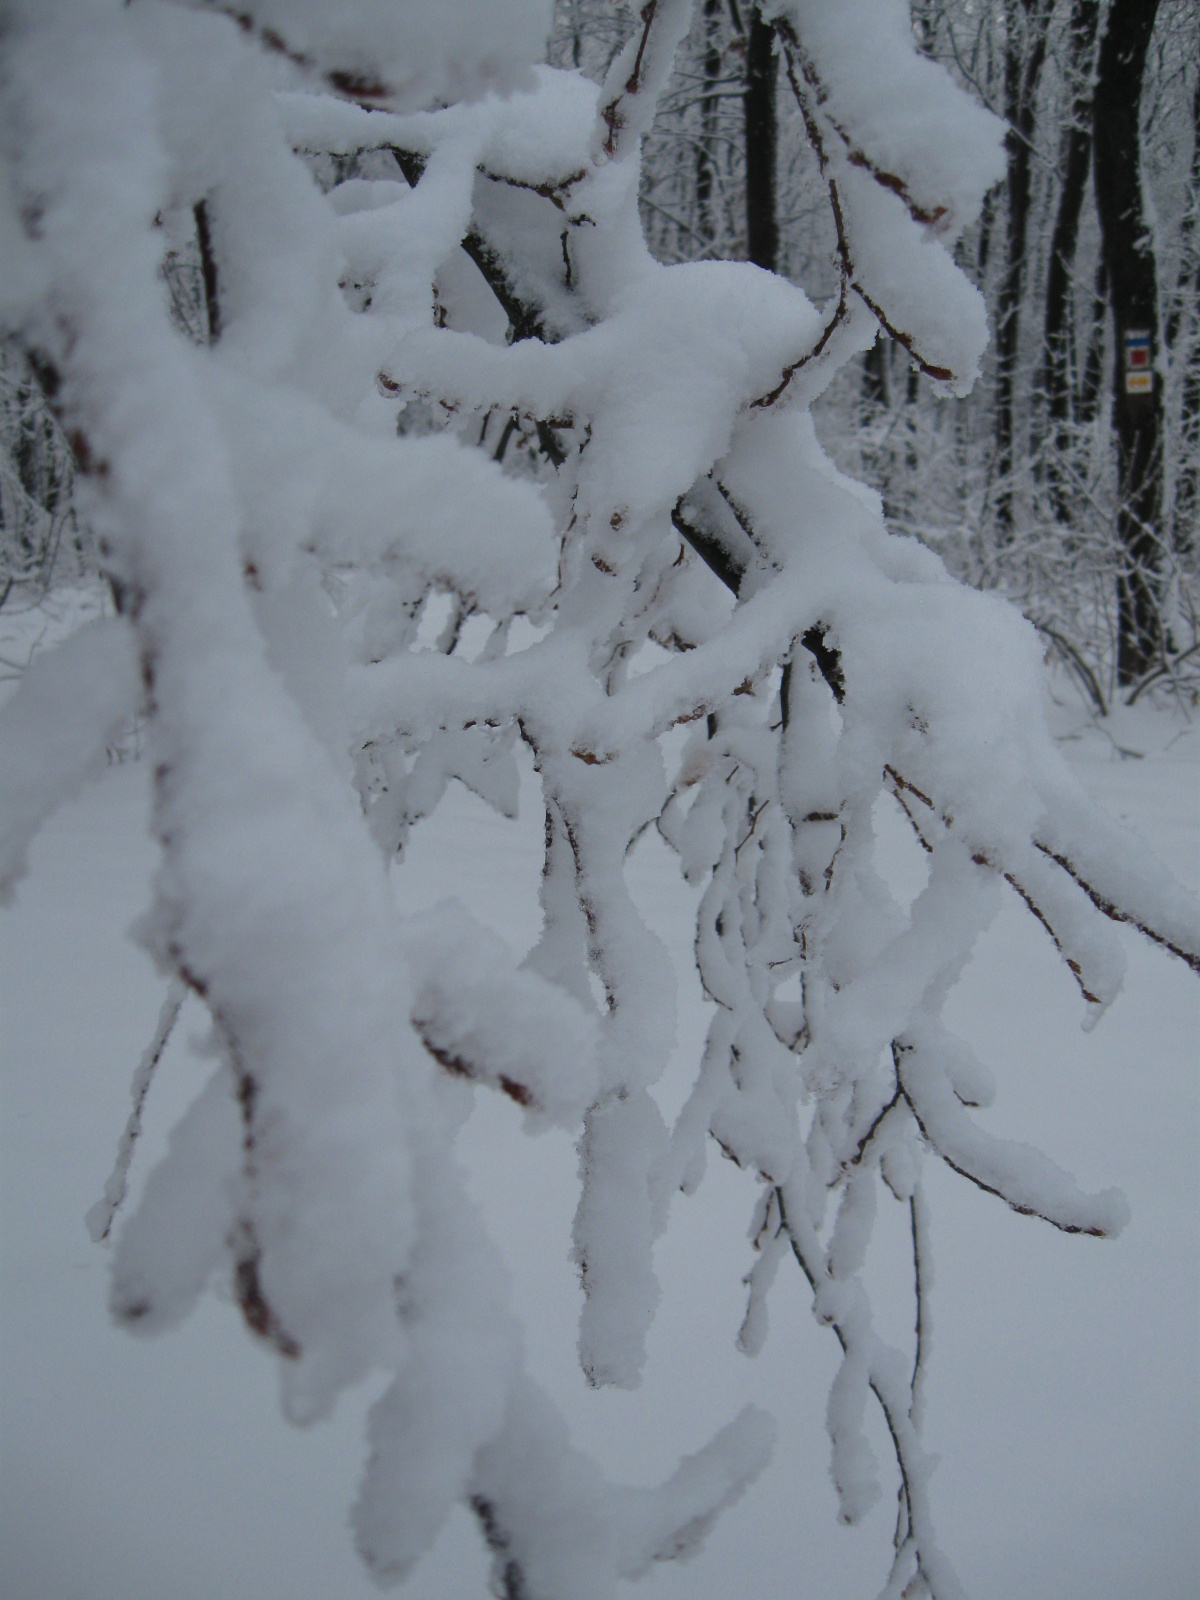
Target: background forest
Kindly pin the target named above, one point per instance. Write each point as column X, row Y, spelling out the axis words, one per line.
column 1019, row 487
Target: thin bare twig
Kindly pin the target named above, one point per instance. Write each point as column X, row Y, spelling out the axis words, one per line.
column 100, row 1217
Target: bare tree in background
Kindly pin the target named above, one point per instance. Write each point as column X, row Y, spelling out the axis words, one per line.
column 1060, row 380
column 1137, row 389
column 1026, row 24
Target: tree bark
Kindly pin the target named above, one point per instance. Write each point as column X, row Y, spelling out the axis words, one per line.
column 1076, row 164
column 1087, row 395
column 876, row 401
column 762, row 227
column 1027, row 23
column 987, row 218
column 875, row 377
column 1133, row 289
column 706, row 148
column 1185, row 325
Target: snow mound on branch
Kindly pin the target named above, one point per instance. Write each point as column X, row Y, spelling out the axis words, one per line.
column 408, row 52
column 178, row 1237
column 899, row 110
column 430, row 506
column 909, row 275
column 560, row 1531
column 541, row 132
column 487, row 1020
column 660, row 381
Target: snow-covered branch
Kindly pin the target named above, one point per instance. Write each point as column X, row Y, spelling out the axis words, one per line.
column 413, row 240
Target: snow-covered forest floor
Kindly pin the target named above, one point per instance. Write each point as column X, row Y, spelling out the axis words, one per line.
column 1062, row 1394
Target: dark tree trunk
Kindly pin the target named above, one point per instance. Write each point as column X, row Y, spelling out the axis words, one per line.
column 1187, row 486
column 1137, row 416
column 706, row 148
column 876, row 402
column 762, row 228
column 987, row 217
column 912, row 397
column 875, row 376
column 1027, row 22
column 1076, row 163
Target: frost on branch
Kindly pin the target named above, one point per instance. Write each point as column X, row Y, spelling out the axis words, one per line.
column 444, row 382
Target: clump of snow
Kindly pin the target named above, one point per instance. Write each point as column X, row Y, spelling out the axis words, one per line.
column 490, row 1022
column 896, row 107
column 406, row 53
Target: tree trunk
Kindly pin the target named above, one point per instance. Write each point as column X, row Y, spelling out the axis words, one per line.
column 987, row 217
column 1027, row 22
column 1185, row 329
column 1087, row 397
column 706, row 148
column 762, row 228
column 875, row 377
column 1077, row 160
column 876, row 402
column 1137, row 399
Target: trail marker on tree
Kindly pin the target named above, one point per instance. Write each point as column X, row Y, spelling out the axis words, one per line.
column 1139, row 378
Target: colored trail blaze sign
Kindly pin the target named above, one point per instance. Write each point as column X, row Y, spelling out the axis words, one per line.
column 1139, row 379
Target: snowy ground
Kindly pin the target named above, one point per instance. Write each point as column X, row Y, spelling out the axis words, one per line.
column 1063, row 1394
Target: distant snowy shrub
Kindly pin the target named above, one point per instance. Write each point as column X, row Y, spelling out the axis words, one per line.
column 37, row 521
column 414, row 247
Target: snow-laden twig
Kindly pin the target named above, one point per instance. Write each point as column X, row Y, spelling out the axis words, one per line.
column 101, row 1216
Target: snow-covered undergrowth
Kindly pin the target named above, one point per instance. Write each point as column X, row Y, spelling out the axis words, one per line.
column 335, row 594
